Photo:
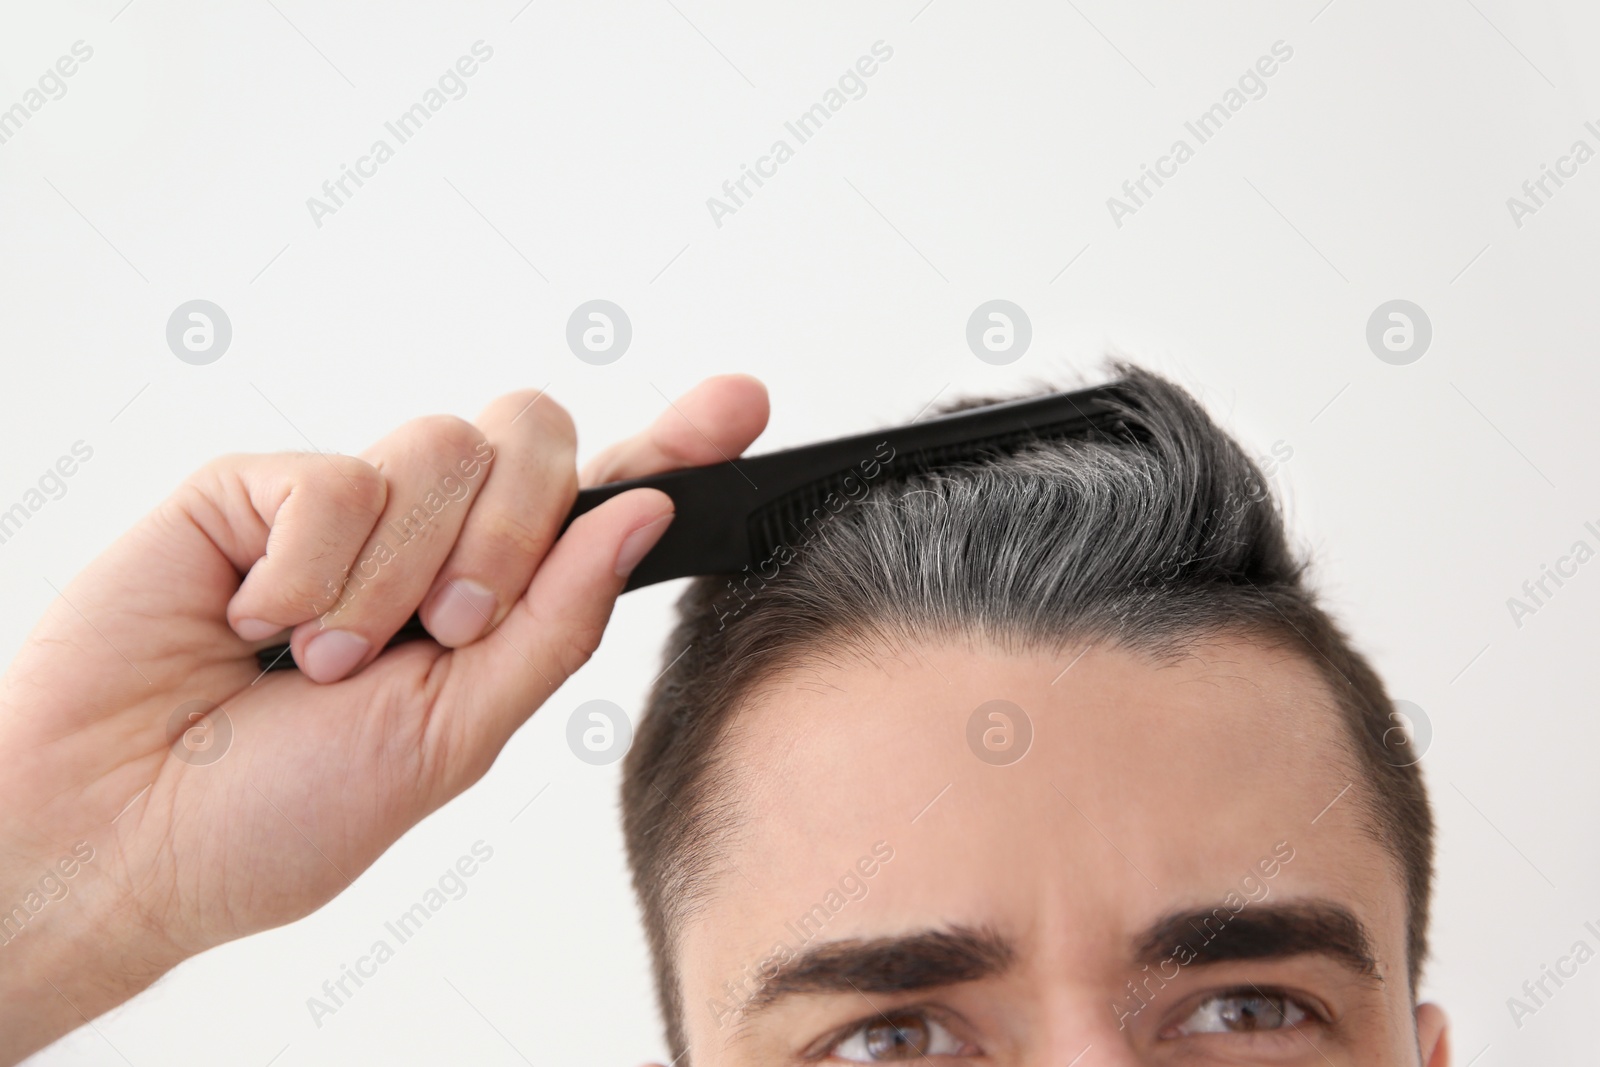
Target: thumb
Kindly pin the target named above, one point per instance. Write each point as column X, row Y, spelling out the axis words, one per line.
column 498, row 681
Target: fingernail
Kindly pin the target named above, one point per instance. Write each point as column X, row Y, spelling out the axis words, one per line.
column 256, row 629
column 636, row 544
column 462, row 611
column 330, row 656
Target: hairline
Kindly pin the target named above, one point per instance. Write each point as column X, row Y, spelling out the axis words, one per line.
column 856, row 643
column 1198, row 545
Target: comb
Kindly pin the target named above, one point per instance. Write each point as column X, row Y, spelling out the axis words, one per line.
column 740, row 513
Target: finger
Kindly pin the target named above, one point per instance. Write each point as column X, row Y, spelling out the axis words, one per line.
column 293, row 522
column 434, row 466
column 514, row 519
column 493, row 685
column 716, row 420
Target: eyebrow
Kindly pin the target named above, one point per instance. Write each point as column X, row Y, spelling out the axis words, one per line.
column 932, row 958
column 922, row 960
column 1260, row 932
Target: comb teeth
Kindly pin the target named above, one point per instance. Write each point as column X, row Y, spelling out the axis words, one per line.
column 791, row 520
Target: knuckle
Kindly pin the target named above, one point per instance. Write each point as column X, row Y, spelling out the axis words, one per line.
column 515, row 405
column 301, row 592
column 507, row 536
column 446, row 435
column 356, row 484
column 553, row 424
column 217, row 468
column 218, row 479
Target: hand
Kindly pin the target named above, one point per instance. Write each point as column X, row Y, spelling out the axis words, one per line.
column 140, row 848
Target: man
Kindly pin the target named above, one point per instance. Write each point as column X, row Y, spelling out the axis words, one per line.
column 1047, row 760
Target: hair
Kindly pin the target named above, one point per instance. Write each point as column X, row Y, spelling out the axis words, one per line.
column 1155, row 540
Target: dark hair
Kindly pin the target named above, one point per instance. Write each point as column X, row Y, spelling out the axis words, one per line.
column 1154, row 541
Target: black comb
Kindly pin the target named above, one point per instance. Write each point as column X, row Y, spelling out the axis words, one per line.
column 740, row 513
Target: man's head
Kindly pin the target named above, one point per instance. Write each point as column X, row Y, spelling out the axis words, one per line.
column 1047, row 752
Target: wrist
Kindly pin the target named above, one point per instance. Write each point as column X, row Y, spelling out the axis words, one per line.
column 69, row 951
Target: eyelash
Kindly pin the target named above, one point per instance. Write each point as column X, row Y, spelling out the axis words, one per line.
column 824, row 1049
column 1311, row 1006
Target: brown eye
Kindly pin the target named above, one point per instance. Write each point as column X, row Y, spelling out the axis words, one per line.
column 900, row 1037
column 897, row 1037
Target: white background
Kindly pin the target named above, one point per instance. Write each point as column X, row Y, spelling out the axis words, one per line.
column 977, row 165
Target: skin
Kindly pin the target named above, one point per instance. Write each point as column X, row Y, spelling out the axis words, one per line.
column 1149, row 788
column 103, row 791
column 1181, row 776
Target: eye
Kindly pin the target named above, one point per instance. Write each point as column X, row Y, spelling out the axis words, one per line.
column 1243, row 1011
column 897, row 1037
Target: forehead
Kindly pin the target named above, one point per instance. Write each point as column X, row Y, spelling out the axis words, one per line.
column 1231, row 736
column 1146, row 786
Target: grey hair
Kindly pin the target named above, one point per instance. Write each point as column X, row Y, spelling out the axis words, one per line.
column 1154, row 542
